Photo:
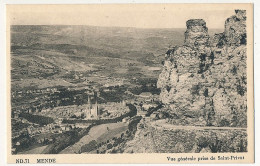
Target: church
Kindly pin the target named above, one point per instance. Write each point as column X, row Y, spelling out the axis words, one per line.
column 91, row 111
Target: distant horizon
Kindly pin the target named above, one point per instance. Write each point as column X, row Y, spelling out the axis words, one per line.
column 152, row 16
column 111, row 26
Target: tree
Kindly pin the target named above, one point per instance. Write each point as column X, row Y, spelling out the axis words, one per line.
column 109, row 146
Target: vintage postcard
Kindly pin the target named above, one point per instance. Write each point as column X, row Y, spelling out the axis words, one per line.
column 130, row 83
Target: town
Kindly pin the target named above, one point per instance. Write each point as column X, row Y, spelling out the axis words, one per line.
column 43, row 125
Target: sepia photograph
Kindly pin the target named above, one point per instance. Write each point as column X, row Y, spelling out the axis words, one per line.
column 167, row 80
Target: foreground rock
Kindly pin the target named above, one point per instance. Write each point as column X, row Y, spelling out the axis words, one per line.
column 150, row 139
column 203, row 87
column 207, row 77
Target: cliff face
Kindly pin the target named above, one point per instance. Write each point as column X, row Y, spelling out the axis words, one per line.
column 206, row 78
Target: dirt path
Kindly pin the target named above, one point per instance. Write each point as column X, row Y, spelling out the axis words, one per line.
column 149, row 138
column 164, row 125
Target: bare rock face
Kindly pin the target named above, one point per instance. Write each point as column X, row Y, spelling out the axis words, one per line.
column 235, row 28
column 207, row 77
column 235, row 31
column 196, row 33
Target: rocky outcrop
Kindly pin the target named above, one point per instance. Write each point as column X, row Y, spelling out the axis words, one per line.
column 207, row 77
column 196, row 33
column 235, row 31
column 235, row 28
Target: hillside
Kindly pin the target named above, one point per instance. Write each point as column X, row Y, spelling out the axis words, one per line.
column 45, row 55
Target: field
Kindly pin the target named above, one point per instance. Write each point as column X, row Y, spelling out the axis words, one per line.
column 46, row 56
column 52, row 55
column 82, row 56
column 99, row 133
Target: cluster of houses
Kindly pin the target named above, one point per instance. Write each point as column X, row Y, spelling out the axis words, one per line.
column 113, row 82
column 34, row 91
column 33, row 130
column 114, row 109
column 146, row 101
column 36, row 130
column 147, row 97
column 54, row 128
column 34, row 95
column 44, row 99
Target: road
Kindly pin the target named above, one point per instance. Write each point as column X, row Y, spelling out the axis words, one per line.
column 164, row 125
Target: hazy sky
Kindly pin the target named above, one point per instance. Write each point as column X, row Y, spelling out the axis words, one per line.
column 140, row 16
